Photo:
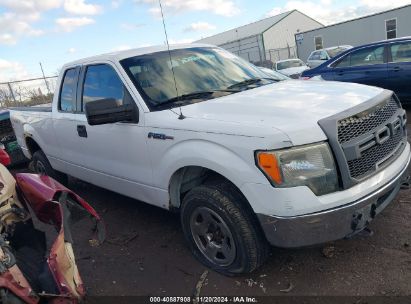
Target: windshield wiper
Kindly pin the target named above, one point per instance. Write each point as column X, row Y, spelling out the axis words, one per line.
column 250, row 81
column 193, row 95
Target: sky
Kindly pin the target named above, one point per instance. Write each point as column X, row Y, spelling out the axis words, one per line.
column 54, row 32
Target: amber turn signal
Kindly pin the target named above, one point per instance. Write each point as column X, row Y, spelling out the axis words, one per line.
column 269, row 164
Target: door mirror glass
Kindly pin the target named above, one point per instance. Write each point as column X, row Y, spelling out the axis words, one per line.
column 106, row 111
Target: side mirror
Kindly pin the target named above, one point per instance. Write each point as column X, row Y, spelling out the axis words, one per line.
column 105, row 111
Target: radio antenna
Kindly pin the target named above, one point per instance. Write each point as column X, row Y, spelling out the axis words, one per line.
column 181, row 116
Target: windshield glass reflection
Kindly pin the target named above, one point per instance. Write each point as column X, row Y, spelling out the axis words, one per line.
column 195, row 70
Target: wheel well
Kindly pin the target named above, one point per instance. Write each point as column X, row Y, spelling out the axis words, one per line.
column 32, row 146
column 185, row 179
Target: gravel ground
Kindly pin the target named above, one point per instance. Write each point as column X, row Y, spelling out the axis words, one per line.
column 145, row 254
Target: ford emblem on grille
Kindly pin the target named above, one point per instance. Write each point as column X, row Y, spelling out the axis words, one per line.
column 366, row 138
column 354, row 149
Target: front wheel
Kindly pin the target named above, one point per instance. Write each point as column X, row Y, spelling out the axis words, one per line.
column 222, row 230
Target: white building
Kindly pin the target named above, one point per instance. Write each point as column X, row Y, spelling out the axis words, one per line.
column 269, row 39
column 389, row 24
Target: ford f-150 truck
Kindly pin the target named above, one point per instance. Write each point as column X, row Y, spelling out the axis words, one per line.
column 247, row 159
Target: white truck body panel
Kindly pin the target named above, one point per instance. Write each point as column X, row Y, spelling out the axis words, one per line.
column 220, row 134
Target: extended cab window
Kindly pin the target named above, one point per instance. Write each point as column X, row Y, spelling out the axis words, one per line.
column 102, row 82
column 401, row 52
column 67, row 101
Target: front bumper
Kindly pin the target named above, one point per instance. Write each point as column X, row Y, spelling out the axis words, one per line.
column 332, row 224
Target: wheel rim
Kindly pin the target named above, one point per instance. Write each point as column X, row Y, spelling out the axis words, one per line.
column 40, row 168
column 212, row 236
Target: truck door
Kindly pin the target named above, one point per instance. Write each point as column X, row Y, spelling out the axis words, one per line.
column 113, row 156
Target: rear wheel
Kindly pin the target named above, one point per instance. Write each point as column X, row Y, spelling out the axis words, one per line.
column 221, row 229
column 42, row 166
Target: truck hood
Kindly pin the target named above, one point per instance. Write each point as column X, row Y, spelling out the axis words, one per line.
column 293, row 107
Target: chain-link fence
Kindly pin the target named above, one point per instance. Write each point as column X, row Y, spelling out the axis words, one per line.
column 253, row 50
column 30, row 92
column 256, row 56
column 281, row 54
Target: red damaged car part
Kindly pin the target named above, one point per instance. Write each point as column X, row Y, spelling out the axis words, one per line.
column 52, row 202
column 36, row 255
column 38, row 189
column 4, row 156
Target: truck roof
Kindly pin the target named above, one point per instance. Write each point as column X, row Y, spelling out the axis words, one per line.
column 119, row 55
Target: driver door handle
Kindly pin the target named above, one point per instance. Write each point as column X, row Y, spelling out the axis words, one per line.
column 81, row 130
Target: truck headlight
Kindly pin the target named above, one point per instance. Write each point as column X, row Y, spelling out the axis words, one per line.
column 312, row 166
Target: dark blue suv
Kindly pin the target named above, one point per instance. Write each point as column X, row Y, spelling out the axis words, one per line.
column 385, row 64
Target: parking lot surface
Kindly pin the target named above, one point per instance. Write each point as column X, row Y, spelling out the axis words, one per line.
column 145, row 254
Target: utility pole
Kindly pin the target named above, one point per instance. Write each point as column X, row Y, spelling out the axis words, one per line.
column 44, row 77
column 11, row 91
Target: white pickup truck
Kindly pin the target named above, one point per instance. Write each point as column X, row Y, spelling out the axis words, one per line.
column 247, row 159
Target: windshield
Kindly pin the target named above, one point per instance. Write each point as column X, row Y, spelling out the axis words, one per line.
column 334, row 52
column 196, row 70
column 289, row 64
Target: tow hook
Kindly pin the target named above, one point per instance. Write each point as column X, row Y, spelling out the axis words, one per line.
column 406, row 183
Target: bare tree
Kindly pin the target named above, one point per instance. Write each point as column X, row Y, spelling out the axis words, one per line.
column 5, row 97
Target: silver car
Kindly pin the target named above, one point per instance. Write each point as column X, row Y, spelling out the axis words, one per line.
column 290, row 67
column 320, row 56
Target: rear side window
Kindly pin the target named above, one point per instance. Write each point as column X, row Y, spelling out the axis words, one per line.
column 315, row 56
column 67, row 101
column 323, row 55
column 401, row 52
column 102, row 82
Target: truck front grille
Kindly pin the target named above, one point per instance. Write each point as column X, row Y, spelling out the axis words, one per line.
column 352, row 131
column 366, row 164
column 362, row 123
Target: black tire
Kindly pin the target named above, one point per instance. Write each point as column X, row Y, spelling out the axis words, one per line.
column 240, row 230
column 42, row 165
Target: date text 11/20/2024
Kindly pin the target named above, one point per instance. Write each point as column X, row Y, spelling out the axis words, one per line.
column 204, row 299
